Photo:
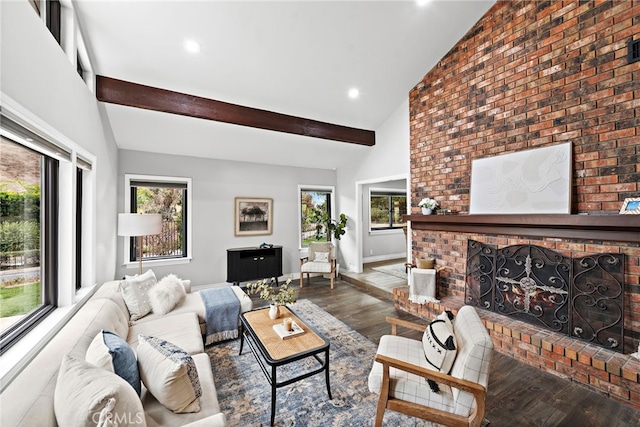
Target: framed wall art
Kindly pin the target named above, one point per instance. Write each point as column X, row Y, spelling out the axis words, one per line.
column 535, row 181
column 631, row 206
column 253, row 216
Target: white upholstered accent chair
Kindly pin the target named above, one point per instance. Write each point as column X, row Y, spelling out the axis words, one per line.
column 320, row 259
column 399, row 374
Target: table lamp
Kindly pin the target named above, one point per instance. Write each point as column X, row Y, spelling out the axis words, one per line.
column 138, row 225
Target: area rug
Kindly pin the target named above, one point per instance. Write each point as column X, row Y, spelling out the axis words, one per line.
column 398, row 270
column 244, row 393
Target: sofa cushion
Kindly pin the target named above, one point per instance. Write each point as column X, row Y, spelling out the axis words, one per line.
column 135, row 291
column 170, row 374
column 166, row 294
column 86, row 395
column 182, row 330
column 111, row 352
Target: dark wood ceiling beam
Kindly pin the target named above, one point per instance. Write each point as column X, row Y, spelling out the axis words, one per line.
column 130, row 94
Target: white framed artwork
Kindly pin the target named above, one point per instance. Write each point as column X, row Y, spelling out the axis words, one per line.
column 535, row 181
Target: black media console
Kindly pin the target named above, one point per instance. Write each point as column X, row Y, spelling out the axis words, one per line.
column 245, row 264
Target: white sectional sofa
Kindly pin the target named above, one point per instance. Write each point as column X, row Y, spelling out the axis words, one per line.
column 29, row 399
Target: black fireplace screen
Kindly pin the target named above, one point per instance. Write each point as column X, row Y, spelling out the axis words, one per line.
column 579, row 297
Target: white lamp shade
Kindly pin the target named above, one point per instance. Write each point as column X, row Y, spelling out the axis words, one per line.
column 132, row 224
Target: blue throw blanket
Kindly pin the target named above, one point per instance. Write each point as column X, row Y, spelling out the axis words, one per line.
column 222, row 309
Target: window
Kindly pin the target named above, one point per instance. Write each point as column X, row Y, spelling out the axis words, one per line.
column 313, row 200
column 54, row 19
column 169, row 197
column 386, row 209
column 28, row 238
column 79, row 185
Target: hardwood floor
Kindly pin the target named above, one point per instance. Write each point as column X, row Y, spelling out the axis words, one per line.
column 519, row 395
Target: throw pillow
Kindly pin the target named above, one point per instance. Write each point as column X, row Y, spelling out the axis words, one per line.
column 166, row 294
column 135, row 292
column 170, row 374
column 439, row 345
column 109, row 351
column 88, row 396
column 322, row 257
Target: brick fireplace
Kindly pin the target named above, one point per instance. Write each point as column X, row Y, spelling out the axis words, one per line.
column 532, row 74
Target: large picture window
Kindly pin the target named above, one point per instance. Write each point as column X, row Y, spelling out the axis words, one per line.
column 169, row 197
column 28, row 239
column 313, row 200
column 386, row 210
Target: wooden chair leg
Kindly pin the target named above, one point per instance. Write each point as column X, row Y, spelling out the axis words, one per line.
column 301, row 274
column 384, row 396
column 332, row 274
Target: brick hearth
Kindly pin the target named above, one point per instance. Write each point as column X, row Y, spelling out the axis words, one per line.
column 612, row 374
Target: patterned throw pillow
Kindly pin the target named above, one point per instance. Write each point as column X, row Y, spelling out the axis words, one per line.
column 170, row 374
column 109, row 351
column 439, row 345
column 135, row 292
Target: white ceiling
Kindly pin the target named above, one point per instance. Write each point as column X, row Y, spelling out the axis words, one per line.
column 293, row 57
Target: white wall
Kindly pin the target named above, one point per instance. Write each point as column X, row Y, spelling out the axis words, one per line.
column 40, row 85
column 216, row 183
column 388, row 160
column 37, row 75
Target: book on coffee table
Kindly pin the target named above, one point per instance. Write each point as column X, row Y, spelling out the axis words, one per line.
column 284, row 334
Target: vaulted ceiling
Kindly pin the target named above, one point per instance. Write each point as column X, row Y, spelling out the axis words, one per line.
column 298, row 58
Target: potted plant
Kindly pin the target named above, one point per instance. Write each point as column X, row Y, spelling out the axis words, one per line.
column 266, row 288
column 324, row 223
column 428, row 205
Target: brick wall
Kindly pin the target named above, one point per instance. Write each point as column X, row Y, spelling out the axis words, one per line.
column 532, row 74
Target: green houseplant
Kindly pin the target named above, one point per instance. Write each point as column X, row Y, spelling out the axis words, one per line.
column 324, row 223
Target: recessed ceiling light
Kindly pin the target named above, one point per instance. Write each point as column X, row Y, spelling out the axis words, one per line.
column 423, row 2
column 354, row 93
column 192, row 46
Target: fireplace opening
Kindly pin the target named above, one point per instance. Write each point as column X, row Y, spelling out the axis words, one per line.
column 581, row 297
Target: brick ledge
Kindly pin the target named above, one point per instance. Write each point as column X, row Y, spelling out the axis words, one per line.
column 612, row 374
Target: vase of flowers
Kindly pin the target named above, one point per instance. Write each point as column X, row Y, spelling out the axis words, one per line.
column 274, row 295
column 428, row 205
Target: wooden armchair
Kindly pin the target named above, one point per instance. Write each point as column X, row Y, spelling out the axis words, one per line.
column 399, row 374
column 321, row 259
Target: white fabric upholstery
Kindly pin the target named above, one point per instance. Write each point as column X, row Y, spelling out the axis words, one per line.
column 475, row 351
column 107, row 310
column 192, row 303
column 472, row 363
column 180, row 329
column 408, row 386
column 316, row 267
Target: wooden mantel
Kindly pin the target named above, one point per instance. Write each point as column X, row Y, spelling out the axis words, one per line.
column 617, row 228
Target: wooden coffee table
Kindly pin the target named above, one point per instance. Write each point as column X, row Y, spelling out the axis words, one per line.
column 271, row 351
